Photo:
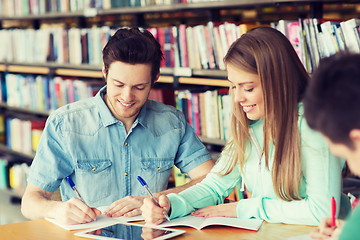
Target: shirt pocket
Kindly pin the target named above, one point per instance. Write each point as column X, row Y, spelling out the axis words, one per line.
column 156, row 172
column 93, row 179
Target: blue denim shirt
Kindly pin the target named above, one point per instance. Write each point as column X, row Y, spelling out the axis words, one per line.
column 85, row 141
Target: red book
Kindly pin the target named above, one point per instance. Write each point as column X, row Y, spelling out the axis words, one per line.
column 183, row 46
column 196, row 113
column 161, row 39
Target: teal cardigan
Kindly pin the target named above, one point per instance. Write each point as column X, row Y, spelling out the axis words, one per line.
column 321, row 180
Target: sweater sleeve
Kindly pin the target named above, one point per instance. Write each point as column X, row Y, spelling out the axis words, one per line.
column 211, row 191
column 321, row 180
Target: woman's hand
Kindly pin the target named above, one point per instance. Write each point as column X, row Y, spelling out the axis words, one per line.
column 154, row 214
column 222, row 210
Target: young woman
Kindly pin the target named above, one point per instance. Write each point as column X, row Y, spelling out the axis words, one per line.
column 284, row 164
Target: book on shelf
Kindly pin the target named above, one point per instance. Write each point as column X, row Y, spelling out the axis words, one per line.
column 40, row 93
column 203, row 126
column 350, row 35
column 220, row 54
column 197, row 47
column 210, row 43
column 33, row 7
column 17, row 177
column 183, row 47
column 23, row 135
column 212, row 115
column 166, row 96
column 2, row 129
column 37, row 127
column 330, row 41
column 4, row 176
column 207, row 112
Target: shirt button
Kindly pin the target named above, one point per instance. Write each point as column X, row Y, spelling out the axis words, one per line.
column 94, row 169
column 159, row 168
column 126, row 174
column 125, row 143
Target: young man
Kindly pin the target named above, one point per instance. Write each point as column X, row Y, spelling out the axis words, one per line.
column 105, row 142
column 332, row 107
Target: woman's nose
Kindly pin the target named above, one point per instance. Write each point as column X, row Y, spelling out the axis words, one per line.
column 238, row 96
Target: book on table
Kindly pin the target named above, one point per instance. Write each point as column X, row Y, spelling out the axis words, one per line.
column 201, row 222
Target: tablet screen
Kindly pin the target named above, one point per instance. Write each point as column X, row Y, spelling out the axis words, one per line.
column 130, row 232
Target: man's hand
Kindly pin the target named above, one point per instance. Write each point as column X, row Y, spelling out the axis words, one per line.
column 74, row 211
column 128, row 207
column 154, row 214
column 221, row 210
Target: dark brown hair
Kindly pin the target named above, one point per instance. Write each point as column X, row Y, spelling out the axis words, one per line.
column 331, row 102
column 132, row 45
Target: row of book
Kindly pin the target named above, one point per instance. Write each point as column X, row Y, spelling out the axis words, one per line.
column 54, row 44
column 39, row 92
column 314, row 39
column 195, row 47
column 13, row 176
column 12, row 8
column 207, row 112
column 23, row 135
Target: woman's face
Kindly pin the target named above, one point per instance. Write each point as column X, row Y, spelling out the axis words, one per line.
column 247, row 91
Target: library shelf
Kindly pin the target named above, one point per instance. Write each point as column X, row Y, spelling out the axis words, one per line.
column 173, row 77
column 39, row 113
column 17, row 155
column 168, row 8
column 192, row 76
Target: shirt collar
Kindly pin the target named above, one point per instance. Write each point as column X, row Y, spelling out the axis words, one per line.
column 141, row 118
column 106, row 116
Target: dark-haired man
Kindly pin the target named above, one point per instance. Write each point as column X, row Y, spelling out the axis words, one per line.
column 105, row 142
column 332, row 106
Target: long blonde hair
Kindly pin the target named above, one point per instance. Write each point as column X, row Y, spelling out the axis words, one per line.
column 268, row 53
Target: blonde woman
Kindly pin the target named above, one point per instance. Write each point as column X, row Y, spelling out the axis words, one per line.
column 284, row 164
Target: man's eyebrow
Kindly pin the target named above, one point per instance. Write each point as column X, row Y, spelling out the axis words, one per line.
column 116, row 80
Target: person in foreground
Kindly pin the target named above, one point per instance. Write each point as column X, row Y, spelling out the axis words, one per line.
column 105, row 142
column 285, row 165
column 332, row 107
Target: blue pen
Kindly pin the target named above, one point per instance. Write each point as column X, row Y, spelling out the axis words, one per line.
column 72, row 185
column 144, row 184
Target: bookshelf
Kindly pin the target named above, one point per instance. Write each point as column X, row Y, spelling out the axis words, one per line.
column 151, row 16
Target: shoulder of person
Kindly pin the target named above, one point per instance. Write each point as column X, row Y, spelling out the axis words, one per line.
column 158, row 108
column 77, row 109
column 307, row 134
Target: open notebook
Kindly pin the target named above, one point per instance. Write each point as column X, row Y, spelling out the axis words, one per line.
column 201, row 222
column 100, row 221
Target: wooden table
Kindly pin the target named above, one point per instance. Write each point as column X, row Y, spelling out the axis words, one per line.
column 44, row 230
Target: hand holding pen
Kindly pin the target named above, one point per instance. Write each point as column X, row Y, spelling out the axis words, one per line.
column 329, row 227
column 77, row 211
column 144, row 184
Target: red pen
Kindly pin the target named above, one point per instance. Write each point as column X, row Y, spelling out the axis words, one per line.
column 333, row 211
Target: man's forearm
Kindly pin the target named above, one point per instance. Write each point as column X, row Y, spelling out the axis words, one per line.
column 36, row 205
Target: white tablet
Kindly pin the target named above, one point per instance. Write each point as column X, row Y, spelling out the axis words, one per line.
column 129, row 231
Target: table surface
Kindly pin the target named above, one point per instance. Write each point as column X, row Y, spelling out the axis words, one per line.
column 43, row 230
